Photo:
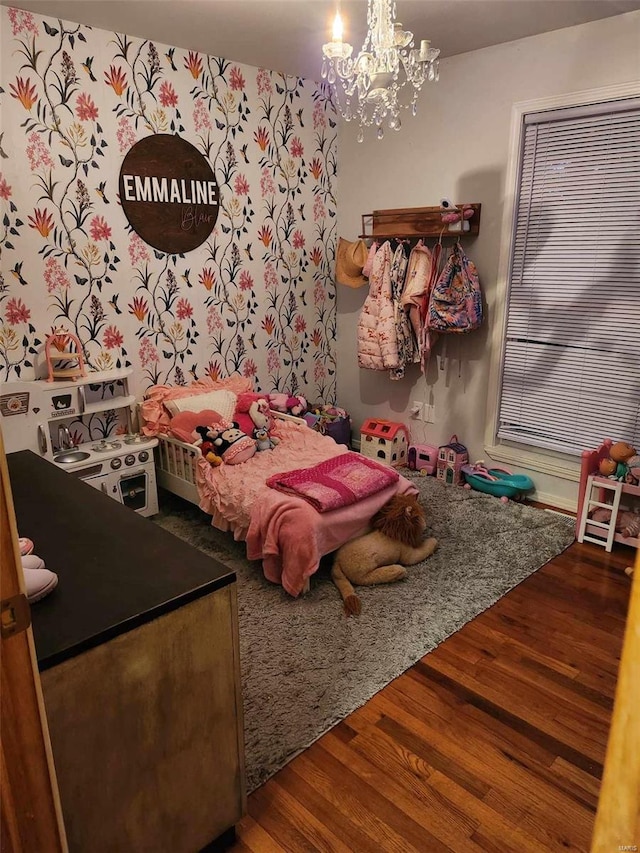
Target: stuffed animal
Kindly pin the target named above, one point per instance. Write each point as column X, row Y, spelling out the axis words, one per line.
column 230, row 443
column 623, row 463
column 380, row 556
column 451, row 215
column 206, row 445
column 278, row 401
column 261, row 416
column 263, row 439
column 296, row 405
column 241, row 413
column 290, row 404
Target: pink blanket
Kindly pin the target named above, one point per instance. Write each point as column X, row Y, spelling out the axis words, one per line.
column 338, row 482
column 290, row 536
column 283, row 531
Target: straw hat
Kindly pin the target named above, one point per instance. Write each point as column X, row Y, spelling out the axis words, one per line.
column 350, row 259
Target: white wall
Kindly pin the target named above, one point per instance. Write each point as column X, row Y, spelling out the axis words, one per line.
column 457, row 146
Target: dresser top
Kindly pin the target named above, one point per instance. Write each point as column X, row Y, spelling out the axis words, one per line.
column 116, row 570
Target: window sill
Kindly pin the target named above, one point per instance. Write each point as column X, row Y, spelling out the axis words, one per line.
column 555, row 466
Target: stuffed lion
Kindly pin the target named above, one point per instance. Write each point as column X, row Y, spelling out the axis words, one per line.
column 380, row 556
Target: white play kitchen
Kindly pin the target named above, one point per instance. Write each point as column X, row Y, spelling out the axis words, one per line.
column 60, row 420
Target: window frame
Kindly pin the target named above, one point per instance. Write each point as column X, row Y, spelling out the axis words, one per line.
column 556, row 464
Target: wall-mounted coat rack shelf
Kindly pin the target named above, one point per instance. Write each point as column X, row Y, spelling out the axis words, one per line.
column 415, row 222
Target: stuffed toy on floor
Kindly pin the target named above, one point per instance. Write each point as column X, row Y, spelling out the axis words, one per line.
column 380, row 556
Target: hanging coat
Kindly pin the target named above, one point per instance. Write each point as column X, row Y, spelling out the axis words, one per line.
column 416, row 287
column 407, row 352
column 377, row 342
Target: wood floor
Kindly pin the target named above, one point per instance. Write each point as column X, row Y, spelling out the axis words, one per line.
column 495, row 741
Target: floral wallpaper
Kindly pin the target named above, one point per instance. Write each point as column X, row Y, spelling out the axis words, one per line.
column 256, row 298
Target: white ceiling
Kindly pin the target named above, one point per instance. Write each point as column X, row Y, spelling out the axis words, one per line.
column 287, row 35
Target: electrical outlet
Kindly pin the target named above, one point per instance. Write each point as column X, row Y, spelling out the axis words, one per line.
column 429, row 414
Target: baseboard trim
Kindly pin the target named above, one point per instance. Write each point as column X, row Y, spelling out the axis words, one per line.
column 557, row 503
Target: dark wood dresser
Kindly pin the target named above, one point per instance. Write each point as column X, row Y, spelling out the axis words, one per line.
column 138, row 653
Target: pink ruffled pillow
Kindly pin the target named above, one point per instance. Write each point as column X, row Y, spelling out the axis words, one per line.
column 184, row 423
column 156, row 417
column 221, row 400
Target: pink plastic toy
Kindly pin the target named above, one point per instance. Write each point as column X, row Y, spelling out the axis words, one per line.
column 422, row 457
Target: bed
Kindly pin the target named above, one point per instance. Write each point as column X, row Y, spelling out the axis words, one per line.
column 286, row 532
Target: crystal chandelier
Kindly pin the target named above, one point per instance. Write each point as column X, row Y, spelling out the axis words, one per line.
column 385, row 77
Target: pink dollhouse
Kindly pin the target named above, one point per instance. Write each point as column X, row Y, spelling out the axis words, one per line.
column 451, row 458
column 384, row 441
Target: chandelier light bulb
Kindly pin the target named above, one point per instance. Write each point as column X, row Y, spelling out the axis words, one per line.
column 372, row 87
column 337, row 28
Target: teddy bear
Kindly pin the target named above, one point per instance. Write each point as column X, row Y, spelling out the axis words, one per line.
column 380, row 556
column 230, row 443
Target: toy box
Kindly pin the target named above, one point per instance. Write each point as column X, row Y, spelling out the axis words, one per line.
column 332, row 421
column 385, row 441
column 451, row 458
column 422, row 457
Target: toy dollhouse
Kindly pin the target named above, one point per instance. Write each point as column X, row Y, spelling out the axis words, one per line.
column 385, row 441
column 451, row 458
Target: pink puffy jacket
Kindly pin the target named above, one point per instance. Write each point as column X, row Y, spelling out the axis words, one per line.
column 377, row 342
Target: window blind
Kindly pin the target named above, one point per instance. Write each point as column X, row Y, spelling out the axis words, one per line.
column 571, row 366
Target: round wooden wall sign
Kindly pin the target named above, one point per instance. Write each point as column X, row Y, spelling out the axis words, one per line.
column 169, row 193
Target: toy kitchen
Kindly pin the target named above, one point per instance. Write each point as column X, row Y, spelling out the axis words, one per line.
column 84, row 427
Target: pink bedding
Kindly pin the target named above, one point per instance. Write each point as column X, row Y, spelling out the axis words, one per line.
column 286, row 532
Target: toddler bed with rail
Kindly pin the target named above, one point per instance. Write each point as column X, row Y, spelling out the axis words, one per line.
column 291, row 504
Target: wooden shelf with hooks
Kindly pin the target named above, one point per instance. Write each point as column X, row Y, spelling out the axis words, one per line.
column 415, row 222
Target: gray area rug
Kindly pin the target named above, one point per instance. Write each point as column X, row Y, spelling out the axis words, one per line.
column 305, row 666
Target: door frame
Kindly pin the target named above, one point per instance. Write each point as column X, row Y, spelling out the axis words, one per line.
column 30, row 810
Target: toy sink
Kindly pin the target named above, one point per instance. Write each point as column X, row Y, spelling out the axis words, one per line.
column 496, row 481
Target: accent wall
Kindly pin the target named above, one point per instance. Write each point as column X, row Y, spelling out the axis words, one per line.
column 256, row 298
